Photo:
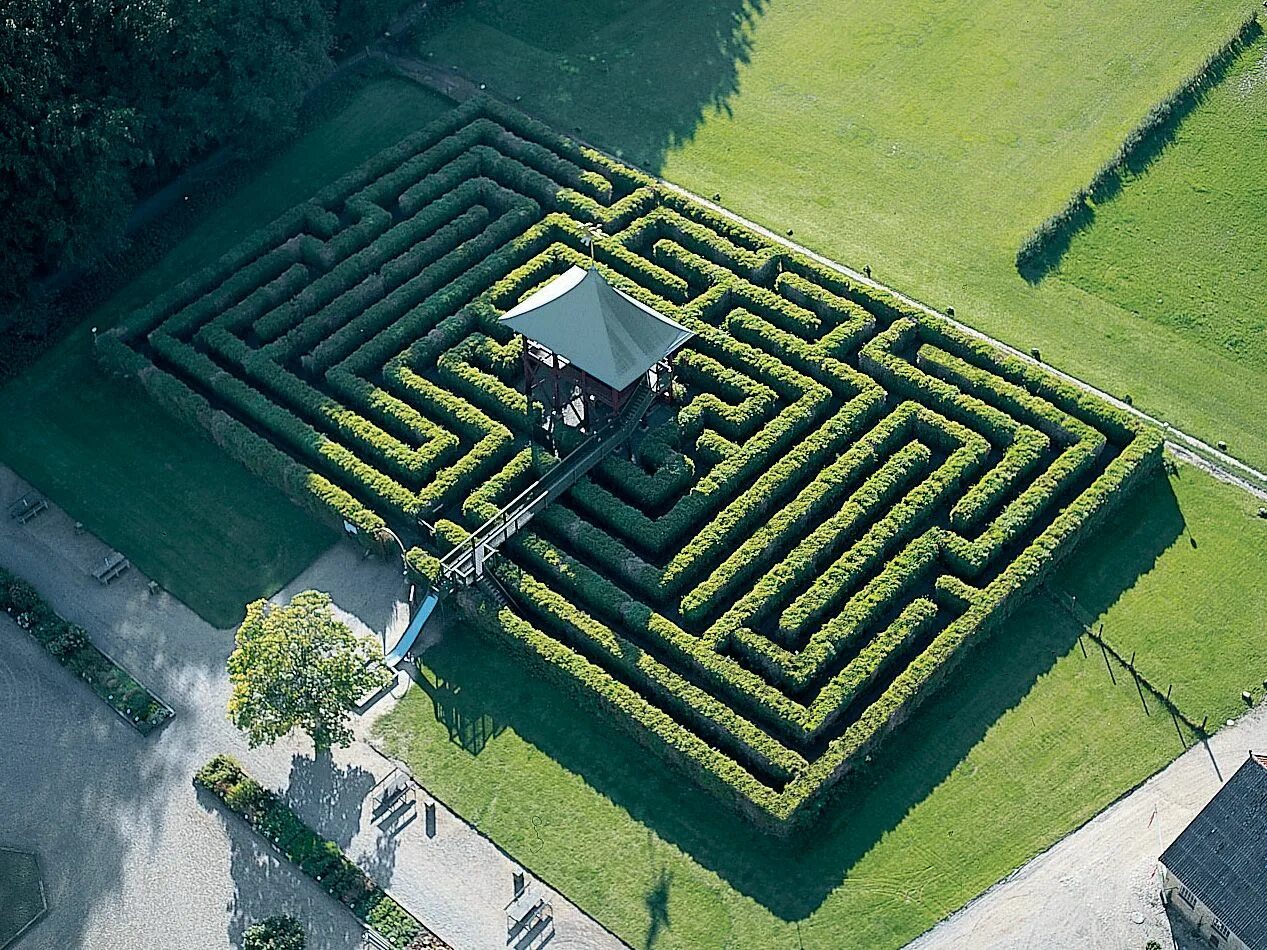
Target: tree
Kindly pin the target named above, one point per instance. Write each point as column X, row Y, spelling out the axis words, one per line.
column 275, row 933
column 66, row 145
column 298, row 667
column 98, row 98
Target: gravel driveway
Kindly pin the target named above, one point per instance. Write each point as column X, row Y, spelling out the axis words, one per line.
column 1098, row 887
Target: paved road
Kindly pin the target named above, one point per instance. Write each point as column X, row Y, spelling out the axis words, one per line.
column 134, row 858
column 1090, row 889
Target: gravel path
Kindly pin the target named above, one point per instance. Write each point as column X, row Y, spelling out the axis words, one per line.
column 1098, row 887
column 133, row 856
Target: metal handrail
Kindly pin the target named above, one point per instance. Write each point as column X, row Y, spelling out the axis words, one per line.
column 541, row 492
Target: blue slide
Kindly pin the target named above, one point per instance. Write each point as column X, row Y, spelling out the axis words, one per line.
column 401, row 649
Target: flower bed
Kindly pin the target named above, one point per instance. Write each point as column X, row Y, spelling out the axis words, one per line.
column 69, row 643
column 321, row 860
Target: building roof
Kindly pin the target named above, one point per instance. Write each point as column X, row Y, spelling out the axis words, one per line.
column 596, row 327
column 1222, row 856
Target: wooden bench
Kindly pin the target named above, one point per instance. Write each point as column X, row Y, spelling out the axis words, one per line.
column 114, row 565
column 28, row 506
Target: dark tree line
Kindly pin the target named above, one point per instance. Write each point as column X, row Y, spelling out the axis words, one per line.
column 102, row 100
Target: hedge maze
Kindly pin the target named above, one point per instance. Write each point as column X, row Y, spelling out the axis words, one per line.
column 846, row 495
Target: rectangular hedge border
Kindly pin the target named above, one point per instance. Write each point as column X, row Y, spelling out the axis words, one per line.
column 802, row 364
column 72, row 648
column 319, row 858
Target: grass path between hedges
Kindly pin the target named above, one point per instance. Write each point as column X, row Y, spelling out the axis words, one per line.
column 1028, row 740
column 925, row 139
column 183, row 511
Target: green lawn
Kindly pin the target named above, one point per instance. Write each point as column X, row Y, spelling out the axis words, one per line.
column 187, row 515
column 1028, row 740
column 925, row 139
column 1184, row 243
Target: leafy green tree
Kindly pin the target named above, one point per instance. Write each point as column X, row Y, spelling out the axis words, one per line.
column 99, row 99
column 298, row 667
column 275, row 933
column 66, row 144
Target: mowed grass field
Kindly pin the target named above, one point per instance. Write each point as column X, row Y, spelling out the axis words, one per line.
column 1184, row 244
column 1029, row 739
column 924, row 139
column 183, row 511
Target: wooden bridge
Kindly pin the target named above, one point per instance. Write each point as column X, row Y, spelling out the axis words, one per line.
column 464, row 565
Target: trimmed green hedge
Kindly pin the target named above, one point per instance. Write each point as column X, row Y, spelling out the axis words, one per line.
column 846, row 494
column 1042, row 247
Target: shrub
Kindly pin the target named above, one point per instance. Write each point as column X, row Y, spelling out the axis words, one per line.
column 219, row 775
column 249, row 799
column 66, row 642
column 275, row 933
column 320, row 859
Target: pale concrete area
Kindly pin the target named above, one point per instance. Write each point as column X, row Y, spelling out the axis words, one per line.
column 1098, row 888
column 133, row 855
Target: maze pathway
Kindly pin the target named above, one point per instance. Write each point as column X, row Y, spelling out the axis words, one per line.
column 847, row 494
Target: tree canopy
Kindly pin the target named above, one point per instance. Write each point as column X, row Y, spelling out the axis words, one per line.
column 101, row 99
column 297, row 666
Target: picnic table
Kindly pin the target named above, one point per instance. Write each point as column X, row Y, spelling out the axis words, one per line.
column 28, row 506
column 529, row 911
column 111, row 567
column 392, row 790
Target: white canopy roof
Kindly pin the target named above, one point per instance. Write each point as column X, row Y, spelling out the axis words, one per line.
column 598, row 328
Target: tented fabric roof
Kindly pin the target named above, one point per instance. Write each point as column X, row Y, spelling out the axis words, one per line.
column 596, row 327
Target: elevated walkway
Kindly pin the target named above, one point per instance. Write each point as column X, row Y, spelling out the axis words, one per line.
column 464, row 565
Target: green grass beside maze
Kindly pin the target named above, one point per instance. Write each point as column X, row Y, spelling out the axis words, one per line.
column 926, row 139
column 184, row 512
column 1028, row 740
column 1184, row 243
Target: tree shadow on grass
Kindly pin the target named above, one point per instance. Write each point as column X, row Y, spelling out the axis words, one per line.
column 792, row 877
column 657, row 901
column 596, row 70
